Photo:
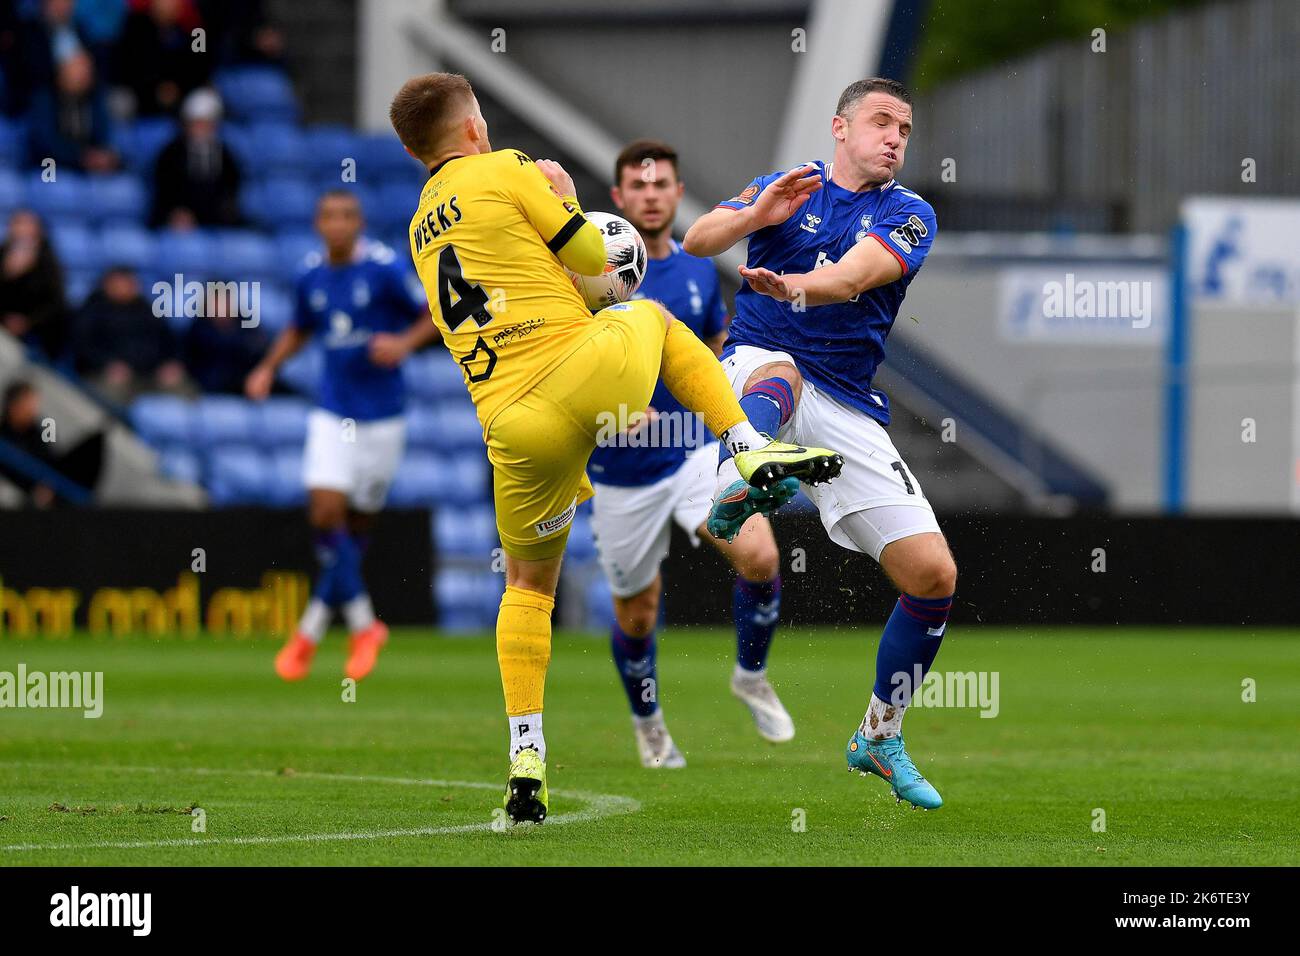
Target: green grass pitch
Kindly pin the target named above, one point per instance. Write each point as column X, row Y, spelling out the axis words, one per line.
column 1148, row 726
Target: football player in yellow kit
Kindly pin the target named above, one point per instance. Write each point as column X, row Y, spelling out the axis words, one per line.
column 490, row 240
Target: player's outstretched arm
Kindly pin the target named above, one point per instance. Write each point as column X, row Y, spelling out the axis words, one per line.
column 262, row 378
column 717, row 231
column 865, row 266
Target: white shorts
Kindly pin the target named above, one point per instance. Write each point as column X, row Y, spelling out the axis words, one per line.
column 875, row 482
column 356, row 458
column 631, row 526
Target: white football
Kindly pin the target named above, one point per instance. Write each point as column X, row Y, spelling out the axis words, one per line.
column 625, row 263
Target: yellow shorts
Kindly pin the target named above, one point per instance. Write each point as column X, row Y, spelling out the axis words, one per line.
column 539, row 445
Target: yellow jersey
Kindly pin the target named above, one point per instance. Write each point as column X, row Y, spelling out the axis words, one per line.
column 485, row 241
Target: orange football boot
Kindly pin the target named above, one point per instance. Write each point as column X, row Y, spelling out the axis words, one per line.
column 294, row 660
column 364, row 650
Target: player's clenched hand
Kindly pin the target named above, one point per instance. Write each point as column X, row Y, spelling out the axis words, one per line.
column 768, row 283
column 258, row 384
column 388, row 350
column 557, row 177
column 783, row 196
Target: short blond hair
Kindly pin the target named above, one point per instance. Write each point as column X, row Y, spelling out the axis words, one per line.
column 426, row 108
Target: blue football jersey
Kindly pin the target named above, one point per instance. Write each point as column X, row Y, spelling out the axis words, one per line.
column 689, row 287
column 343, row 306
column 836, row 347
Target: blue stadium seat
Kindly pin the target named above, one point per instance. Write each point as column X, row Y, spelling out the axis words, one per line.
column 257, row 92
column 422, row 429
column 466, row 533
column 391, row 210
column 276, row 304
column 11, row 192
column 65, row 199
column 238, row 474
column 464, row 478
column 458, row 425
column 419, row 481
column 326, row 147
column 164, row 420
column 303, row 372
column 139, row 143
column 279, row 202
column 119, row 198
column 131, row 245
column 75, row 245
column 582, row 545
column 292, row 248
column 278, row 149
column 380, row 156
column 286, row 489
column 433, row 374
column 245, row 256
column 283, row 422
column 226, row 420
column 600, row 603
column 193, row 254
column 78, row 284
column 13, row 138
column 180, row 464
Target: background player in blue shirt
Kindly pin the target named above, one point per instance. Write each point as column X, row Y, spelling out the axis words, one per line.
column 369, row 313
column 665, row 471
column 832, row 249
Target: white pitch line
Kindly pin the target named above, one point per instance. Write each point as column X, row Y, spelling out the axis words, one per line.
column 598, row 805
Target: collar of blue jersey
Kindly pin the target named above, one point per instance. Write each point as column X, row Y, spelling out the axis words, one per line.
column 882, row 187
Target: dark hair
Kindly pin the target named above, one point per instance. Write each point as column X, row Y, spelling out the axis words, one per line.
column 873, row 84
column 423, row 110
column 638, row 151
column 339, row 192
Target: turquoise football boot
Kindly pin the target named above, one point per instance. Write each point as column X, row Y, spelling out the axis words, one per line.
column 739, row 500
column 889, row 761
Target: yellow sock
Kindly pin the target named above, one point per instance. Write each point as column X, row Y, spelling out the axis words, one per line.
column 695, row 377
column 524, row 648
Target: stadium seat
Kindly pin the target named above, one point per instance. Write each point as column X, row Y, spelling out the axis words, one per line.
column 458, row 425
column 276, row 303
column 326, row 146
column 279, row 202
column 78, row 284
column 422, row 427
column 419, row 481
column 12, row 139
column 380, row 157
column 582, row 545
column 466, row 532
column 464, row 478
column 11, row 192
column 163, row 420
column 193, row 254
column 303, row 372
column 66, row 199
column 467, row 599
column 180, row 464
column 75, row 245
column 283, row 422
column 292, row 248
column 257, row 92
column 139, row 143
column 245, row 255
column 285, row 488
column 600, row 604
column 226, row 420
column 130, row 245
column 238, row 475
column 428, row 375
column 119, row 198
column 278, row 149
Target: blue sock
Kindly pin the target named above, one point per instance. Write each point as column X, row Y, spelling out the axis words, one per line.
column 911, row 640
column 340, row 561
column 755, row 606
column 768, row 405
column 635, row 659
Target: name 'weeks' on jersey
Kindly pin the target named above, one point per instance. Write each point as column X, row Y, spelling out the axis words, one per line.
column 484, row 239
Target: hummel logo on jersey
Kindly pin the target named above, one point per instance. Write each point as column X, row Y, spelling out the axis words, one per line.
column 937, row 631
column 811, row 222
column 765, row 614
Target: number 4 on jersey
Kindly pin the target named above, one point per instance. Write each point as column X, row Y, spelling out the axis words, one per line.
column 470, row 302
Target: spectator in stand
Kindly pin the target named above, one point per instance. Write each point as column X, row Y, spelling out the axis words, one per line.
column 241, row 33
column 219, row 351
column 196, row 177
column 68, row 122
column 156, row 56
column 32, row 306
column 22, row 427
column 121, row 347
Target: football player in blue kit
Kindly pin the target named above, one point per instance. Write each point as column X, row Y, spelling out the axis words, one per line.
column 832, row 250
column 369, row 312
column 664, row 471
